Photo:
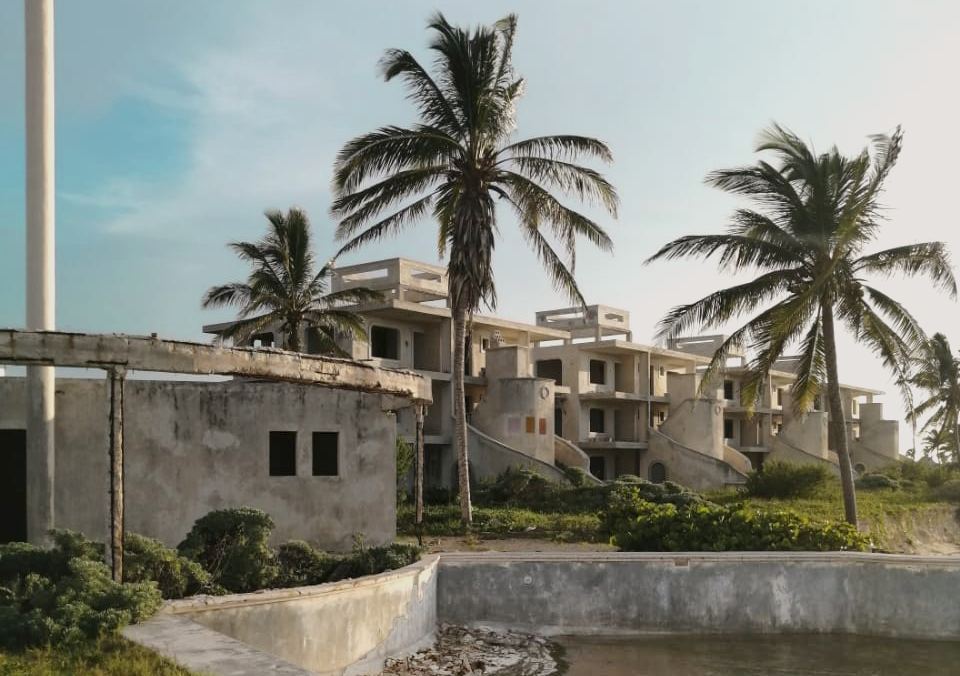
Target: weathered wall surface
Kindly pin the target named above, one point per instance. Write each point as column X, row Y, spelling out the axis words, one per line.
column 781, row 451
column 686, row 465
column 490, row 458
column 193, row 447
column 881, row 595
column 344, row 627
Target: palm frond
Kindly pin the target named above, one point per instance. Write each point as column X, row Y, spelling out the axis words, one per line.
column 389, row 150
column 558, row 147
column 931, row 259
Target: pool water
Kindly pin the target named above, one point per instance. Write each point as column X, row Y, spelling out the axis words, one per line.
column 782, row 655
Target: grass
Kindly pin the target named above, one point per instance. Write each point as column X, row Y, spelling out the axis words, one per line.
column 876, row 509
column 112, row 655
column 515, row 507
column 505, row 522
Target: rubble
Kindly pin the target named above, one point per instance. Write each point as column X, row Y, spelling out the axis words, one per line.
column 476, row 651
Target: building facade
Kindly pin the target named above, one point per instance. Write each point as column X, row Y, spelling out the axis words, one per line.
column 573, row 389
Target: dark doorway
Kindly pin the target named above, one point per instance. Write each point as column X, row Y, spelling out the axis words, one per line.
column 13, row 485
column 558, row 422
column 597, row 463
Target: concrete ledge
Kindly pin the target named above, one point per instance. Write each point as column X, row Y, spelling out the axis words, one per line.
column 338, row 628
column 349, row 627
column 744, row 592
column 101, row 350
column 205, row 651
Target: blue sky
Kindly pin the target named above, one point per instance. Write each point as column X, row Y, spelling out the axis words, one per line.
column 179, row 122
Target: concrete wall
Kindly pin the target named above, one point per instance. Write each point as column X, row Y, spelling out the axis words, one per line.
column 193, row 447
column 517, row 410
column 343, row 627
column 881, row 595
column 878, row 437
column 349, row 627
column 808, row 432
column 782, row 451
column 490, row 458
column 686, row 465
column 695, row 423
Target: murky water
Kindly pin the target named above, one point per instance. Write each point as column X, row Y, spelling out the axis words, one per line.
column 791, row 655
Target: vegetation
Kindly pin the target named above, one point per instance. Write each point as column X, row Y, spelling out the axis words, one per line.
column 521, row 503
column 786, row 480
column 109, row 655
column 231, row 545
column 454, row 165
column 936, row 375
column 146, row 559
column 815, row 215
column 697, row 528
column 284, row 288
column 64, row 595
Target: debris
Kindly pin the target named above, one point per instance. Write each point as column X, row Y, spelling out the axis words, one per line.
column 479, row 651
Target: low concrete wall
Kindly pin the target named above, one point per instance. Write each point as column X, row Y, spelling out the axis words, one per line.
column 339, row 628
column 868, row 594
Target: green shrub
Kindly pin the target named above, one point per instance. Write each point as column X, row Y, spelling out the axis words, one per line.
column 372, row 560
column 231, row 545
column 64, row 594
column 146, row 559
column 669, row 528
column 406, row 455
column 575, row 475
column 949, row 490
column 871, row 482
column 299, row 564
column 787, row 480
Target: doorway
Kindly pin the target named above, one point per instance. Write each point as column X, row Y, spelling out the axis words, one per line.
column 13, row 485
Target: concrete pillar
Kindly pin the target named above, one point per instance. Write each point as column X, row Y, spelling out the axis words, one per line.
column 116, row 376
column 38, row 29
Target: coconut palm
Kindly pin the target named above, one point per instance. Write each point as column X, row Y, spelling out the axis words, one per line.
column 814, row 216
column 285, row 289
column 936, row 375
column 455, row 164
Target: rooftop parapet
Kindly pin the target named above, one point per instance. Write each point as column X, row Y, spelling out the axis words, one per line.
column 593, row 321
column 705, row 346
column 398, row 278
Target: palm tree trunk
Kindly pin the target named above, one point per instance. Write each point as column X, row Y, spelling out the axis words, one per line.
column 838, row 421
column 460, row 413
column 294, row 343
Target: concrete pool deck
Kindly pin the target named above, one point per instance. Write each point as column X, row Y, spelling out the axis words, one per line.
column 349, row 627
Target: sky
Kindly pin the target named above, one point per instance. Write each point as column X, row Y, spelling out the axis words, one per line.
column 178, row 123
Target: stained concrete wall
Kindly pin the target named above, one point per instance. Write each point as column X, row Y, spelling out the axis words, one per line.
column 193, row 447
column 490, row 458
column 880, row 595
column 339, row 628
column 686, row 465
column 517, row 410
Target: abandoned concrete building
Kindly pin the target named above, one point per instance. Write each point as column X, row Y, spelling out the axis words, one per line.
column 574, row 390
column 309, row 440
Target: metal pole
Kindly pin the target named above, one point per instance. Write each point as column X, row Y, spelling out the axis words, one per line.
column 38, row 32
column 116, row 376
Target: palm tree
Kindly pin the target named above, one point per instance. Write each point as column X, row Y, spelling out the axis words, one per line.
column 454, row 165
column 936, row 374
column 815, row 214
column 284, row 289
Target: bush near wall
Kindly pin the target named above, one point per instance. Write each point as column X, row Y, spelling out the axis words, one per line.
column 649, row 527
column 231, row 545
column 787, row 480
column 146, row 559
column 64, row 595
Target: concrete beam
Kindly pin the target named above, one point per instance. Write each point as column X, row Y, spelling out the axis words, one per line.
column 142, row 353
